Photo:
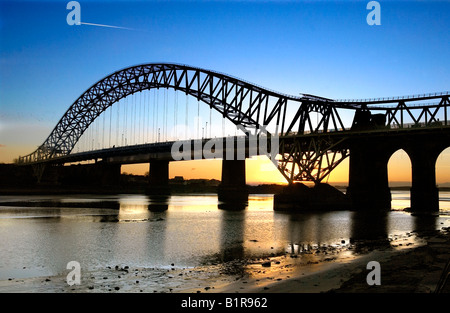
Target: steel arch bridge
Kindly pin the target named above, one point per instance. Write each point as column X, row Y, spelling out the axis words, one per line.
column 309, row 150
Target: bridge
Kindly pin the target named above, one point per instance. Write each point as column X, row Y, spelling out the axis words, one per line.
column 311, row 135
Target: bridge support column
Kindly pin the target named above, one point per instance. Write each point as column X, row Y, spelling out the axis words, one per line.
column 159, row 177
column 299, row 197
column 368, row 186
column 233, row 187
column 424, row 193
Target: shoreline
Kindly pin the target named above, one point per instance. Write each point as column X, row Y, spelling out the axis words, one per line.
column 408, row 265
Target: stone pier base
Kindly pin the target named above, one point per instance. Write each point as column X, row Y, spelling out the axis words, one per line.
column 321, row 197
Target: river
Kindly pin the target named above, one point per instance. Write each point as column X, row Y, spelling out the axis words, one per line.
column 182, row 231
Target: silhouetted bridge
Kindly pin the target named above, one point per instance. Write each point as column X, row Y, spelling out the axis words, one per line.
column 312, row 133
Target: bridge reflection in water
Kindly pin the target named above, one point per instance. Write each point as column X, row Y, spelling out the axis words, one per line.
column 252, row 228
column 193, row 231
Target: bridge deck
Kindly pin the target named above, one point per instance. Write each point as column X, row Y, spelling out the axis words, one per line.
column 162, row 150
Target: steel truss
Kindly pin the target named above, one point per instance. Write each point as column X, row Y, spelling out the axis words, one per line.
column 420, row 115
column 242, row 103
column 307, row 154
column 310, row 158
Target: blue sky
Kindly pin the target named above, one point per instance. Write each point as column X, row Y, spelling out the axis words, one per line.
column 317, row 47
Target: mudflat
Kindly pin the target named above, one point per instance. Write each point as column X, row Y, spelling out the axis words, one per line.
column 407, row 265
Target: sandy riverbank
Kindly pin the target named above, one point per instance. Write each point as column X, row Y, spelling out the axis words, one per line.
column 408, row 264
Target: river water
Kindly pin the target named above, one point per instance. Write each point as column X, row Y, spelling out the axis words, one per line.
column 181, row 231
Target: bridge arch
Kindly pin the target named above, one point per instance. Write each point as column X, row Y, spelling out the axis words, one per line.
column 443, row 176
column 442, row 166
column 251, row 106
column 424, row 153
column 400, row 171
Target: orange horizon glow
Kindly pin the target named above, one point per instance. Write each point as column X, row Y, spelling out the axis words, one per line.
column 260, row 170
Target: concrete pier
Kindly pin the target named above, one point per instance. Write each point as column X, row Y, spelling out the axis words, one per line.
column 368, row 185
column 424, row 192
column 233, row 187
column 159, row 177
column 298, row 197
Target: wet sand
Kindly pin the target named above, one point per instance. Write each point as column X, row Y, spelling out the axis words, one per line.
column 408, row 265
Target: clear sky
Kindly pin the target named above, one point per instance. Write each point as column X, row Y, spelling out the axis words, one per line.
column 316, row 47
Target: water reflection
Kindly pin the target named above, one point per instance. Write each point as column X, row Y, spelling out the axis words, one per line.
column 140, row 236
column 306, row 231
column 233, row 206
column 158, row 203
column 232, row 228
column 188, row 230
column 425, row 224
column 369, row 229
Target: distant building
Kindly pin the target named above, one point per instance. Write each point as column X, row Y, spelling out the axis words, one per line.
column 179, row 180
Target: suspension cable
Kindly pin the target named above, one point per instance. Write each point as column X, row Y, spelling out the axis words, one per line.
column 198, row 118
column 157, row 118
column 126, row 122
column 135, row 119
column 187, row 114
column 164, row 115
column 139, row 119
column 154, row 116
column 110, row 125
column 117, row 122
column 175, row 111
column 166, row 109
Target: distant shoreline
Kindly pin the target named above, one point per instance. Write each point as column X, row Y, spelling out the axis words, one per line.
column 57, row 190
column 134, row 184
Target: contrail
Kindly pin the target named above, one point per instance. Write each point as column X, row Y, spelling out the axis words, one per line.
column 110, row 26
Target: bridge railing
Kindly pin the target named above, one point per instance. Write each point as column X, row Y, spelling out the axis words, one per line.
column 390, row 99
column 416, row 125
